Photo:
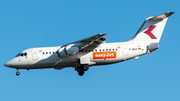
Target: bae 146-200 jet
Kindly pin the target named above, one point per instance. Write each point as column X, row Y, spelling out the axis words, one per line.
column 93, row 50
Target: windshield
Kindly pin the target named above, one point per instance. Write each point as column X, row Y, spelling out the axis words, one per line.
column 17, row 55
column 21, row 54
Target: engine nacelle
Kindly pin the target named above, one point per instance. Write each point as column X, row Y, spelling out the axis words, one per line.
column 66, row 51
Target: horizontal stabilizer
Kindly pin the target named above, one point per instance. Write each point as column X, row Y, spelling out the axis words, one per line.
column 161, row 17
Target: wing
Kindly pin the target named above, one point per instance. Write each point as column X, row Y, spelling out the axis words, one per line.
column 89, row 43
column 85, row 44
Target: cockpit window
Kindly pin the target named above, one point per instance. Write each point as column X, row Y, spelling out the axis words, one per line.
column 21, row 54
column 25, row 54
column 17, row 55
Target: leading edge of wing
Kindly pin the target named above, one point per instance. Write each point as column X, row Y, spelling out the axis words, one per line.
column 92, row 37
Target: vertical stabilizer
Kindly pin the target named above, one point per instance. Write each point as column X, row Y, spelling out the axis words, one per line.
column 151, row 30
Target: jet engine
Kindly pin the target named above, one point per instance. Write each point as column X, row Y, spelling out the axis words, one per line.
column 66, row 51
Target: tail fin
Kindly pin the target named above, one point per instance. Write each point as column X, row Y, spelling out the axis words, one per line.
column 151, row 30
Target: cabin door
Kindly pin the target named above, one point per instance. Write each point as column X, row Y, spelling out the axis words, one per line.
column 125, row 50
column 34, row 54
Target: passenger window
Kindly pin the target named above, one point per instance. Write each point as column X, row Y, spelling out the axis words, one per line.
column 106, row 49
column 53, row 52
column 103, row 49
column 109, row 49
column 113, row 49
column 43, row 52
column 100, row 50
column 116, row 49
column 49, row 52
column 46, row 52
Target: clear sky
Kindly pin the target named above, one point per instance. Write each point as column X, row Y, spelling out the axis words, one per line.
column 41, row 23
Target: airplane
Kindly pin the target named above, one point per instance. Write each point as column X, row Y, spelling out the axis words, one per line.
column 93, row 51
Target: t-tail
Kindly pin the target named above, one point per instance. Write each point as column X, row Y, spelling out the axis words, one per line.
column 150, row 32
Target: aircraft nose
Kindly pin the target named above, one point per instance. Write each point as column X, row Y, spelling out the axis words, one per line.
column 7, row 64
column 12, row 63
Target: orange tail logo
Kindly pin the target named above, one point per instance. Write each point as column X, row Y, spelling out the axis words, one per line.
column 104, row 55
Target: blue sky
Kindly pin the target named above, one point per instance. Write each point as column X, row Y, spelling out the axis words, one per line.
column 41, row 23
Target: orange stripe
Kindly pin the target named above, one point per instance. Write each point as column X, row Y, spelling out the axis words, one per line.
column 104, row 55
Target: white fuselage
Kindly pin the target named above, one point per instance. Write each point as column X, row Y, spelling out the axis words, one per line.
column 106, row 53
